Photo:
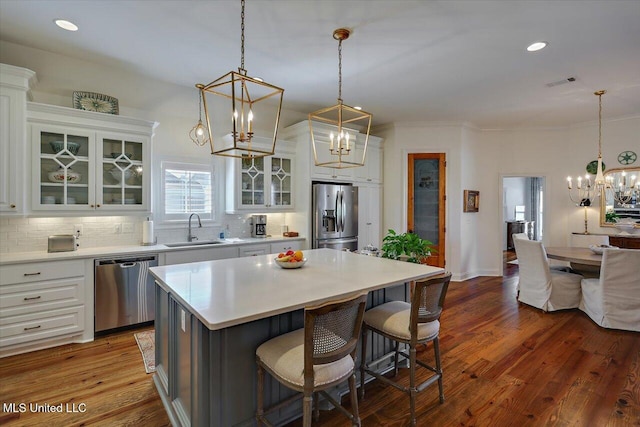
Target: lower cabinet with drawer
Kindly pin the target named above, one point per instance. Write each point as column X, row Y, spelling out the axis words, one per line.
column 41, row 305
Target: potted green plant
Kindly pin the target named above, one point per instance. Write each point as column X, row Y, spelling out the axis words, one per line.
column 611, row 216
column 406, row 247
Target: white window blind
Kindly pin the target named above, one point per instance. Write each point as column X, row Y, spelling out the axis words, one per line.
column 187, row 189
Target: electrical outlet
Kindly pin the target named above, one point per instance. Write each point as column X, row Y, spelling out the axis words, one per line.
column 78, row 229
column 117, row 228
column 127, row 227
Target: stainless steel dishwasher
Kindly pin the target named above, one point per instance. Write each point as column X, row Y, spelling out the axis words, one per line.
column 124, row 292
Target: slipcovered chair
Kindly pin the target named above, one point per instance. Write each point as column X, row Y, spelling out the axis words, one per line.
column 315, row 358
column 584, row 241
column 613, row 300
column 412, row 324
column 523, row 236
column 541, row 286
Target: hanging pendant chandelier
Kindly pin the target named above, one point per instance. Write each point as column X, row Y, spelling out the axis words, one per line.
column 599, row 181
column 199, row 134
column 236, row 101
column 339, row 139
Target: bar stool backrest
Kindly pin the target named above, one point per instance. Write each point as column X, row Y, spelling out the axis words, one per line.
column 332, row 331
column 428, row 301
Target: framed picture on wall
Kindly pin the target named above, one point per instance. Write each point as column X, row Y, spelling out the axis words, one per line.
column 471, row 201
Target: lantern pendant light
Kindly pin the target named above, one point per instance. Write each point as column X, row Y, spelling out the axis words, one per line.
column 341, row 140
column 236, row 101
column 199, row 134
column 599, row 182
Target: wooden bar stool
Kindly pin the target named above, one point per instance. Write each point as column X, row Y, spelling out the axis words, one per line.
column 412, row 324
column 315, row 358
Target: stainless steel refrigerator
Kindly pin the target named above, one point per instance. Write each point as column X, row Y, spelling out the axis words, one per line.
column 335, row 216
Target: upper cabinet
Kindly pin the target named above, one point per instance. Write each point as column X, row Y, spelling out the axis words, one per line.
column 371, row 172
column 15, row 84
column 261, row 184
column 86, row 161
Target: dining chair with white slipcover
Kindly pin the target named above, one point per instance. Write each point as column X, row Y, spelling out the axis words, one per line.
column 613, row 300
column 541, row 286
column 523, row 236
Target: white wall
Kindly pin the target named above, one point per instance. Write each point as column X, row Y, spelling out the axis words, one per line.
column 477, row 160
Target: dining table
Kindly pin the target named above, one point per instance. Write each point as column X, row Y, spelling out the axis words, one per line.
column 574, row 255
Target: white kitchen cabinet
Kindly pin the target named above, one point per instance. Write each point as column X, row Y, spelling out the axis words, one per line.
column 261, row 184
column 15, row 84
column 200, row 254
column 294, row 245
column 255, row 250
column 369, row 215
column 86, row 161
column 42, row 305
column 371, row 172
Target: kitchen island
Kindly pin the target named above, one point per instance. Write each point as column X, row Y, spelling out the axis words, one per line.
column 212, row 315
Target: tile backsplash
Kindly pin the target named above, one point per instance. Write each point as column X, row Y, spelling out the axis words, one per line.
column 31, row 234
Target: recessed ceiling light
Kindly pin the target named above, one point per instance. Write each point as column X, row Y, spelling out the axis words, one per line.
column 537, row 46
column 66, row 25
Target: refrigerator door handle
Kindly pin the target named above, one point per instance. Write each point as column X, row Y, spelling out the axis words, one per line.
column 338, row 206
column 343, row 210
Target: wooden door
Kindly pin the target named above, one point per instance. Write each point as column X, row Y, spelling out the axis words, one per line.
column 426, row 210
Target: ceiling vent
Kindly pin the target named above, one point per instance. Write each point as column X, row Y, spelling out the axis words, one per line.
column 561, row 82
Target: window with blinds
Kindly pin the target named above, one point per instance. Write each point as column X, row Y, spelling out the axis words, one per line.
column 187, row 189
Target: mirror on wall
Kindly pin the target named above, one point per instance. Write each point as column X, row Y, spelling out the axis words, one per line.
column 621, row 199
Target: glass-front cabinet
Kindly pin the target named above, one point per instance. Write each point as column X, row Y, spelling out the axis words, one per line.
column 260, row 184
column 121, row 171
column 81, row 165
column 64, row 168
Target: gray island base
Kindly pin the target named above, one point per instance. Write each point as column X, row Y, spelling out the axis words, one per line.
column 211, row 316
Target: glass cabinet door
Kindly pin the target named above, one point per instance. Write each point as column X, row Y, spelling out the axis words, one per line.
column 64, row 169
column 280, row 181
column 252, row 180
column 121, row 172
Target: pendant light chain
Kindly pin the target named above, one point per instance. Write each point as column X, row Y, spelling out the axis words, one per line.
column 600, row 125
column 340, row 70
column 242, row 36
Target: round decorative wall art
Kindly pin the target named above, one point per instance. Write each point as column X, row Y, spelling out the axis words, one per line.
column 627, row 157
column 592, row 167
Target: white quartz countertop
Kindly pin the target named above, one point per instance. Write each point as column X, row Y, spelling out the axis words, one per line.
column 107, row 251
column 230, row 292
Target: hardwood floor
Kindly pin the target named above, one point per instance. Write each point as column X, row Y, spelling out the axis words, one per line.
column 504, row 364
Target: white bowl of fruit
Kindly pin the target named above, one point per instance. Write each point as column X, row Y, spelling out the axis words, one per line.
column 291, row 259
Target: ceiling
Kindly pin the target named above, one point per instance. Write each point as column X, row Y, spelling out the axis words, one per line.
column 429, row 61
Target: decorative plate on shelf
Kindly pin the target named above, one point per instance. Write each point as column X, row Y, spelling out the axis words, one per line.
column 592, row 167
column 97, row 102
column 627, row 157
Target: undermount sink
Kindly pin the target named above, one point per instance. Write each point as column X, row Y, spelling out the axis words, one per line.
column 194, row 243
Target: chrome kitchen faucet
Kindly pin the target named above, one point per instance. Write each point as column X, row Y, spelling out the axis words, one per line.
column 191, row 237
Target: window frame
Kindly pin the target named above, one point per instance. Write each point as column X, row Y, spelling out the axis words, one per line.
column 190, row 166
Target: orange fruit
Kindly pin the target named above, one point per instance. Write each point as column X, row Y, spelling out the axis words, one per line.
column 298, row 255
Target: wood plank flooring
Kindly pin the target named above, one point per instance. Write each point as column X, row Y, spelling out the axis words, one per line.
column 505, row 364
